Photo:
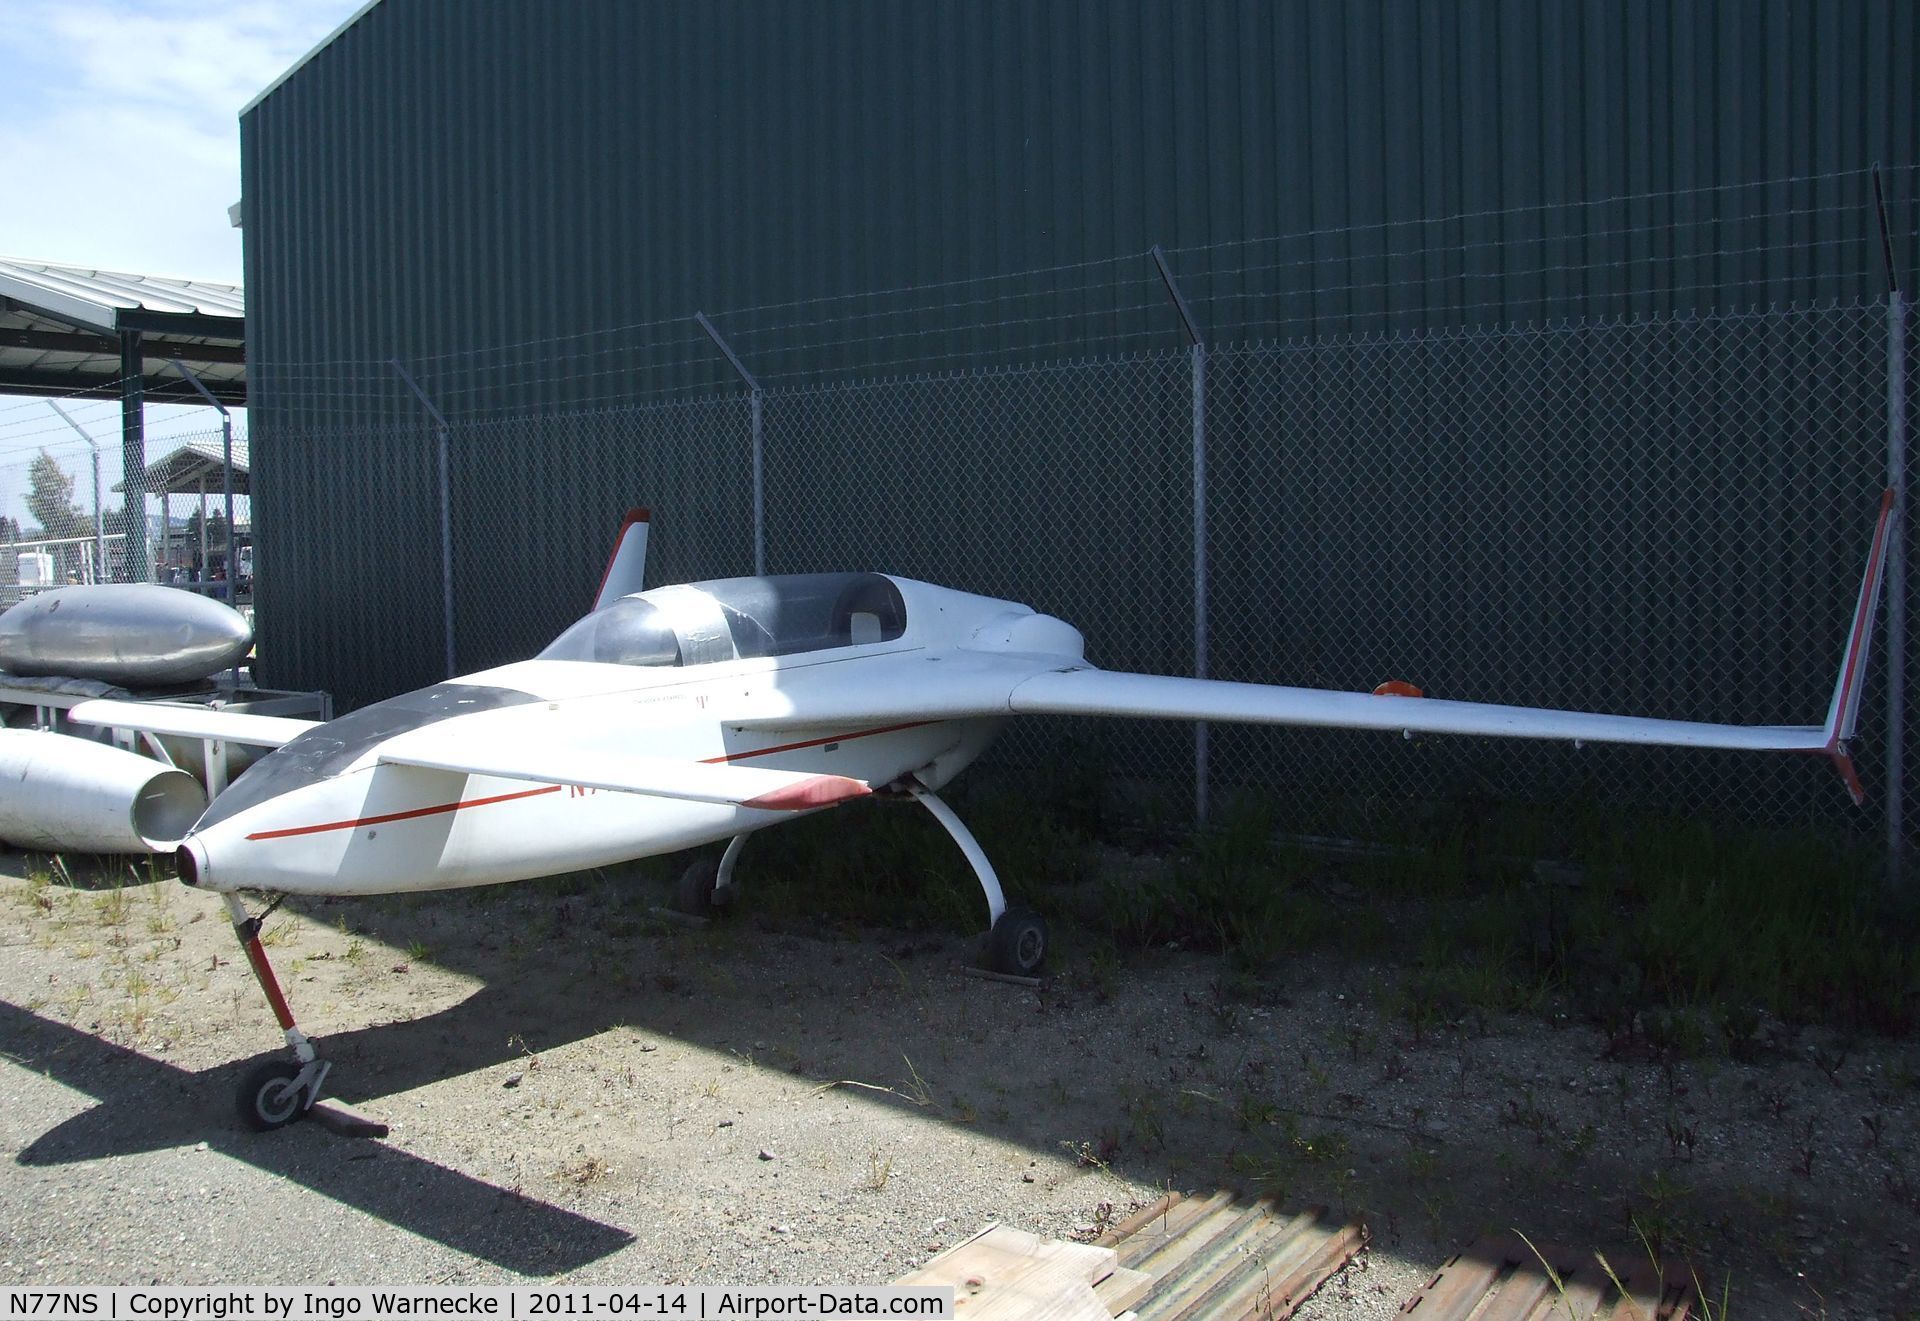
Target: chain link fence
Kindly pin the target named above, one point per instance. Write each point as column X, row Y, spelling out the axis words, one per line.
column 1660, row 515
column 64, row 505
column 1665, row 516
column 1621, row 455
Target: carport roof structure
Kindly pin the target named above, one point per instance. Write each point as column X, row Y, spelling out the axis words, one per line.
column 194, row 469
column 68, row 330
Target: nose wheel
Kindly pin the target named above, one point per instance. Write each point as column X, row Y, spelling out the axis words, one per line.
column 276, row 1092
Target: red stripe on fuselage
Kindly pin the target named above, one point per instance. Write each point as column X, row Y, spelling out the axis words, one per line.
column 442, row 808
column 403, row 816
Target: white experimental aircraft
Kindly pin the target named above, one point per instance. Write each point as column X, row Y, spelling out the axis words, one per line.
column 686, row 715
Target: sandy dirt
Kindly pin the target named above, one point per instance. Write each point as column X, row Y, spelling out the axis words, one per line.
column 580, row 1090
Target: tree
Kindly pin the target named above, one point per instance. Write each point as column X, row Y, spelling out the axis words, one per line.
column 50, row 499
column 9, row 529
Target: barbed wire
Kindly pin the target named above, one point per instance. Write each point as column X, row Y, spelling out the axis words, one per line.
column 1863, row 172
column 38, row 399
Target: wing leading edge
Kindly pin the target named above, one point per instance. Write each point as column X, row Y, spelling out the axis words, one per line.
column 978, row 683
column 1097, row 692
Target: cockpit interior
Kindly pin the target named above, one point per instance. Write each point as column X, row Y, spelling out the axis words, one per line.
column 736, row 619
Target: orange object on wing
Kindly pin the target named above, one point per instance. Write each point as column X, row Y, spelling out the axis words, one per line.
column 1397, row 688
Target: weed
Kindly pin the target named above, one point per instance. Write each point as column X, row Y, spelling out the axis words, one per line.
column 1805, row 1151
column 1874, row 1125
column 1655, row 1216
column 1422, row 1164
column 1681, row 1137
column 418, row 951
column 879, row 1170
column 113, row 907
column 586, row 1170
column 916, row 1089
column 1096, row 1155
column 1145, row 1125
column 1253, row 1112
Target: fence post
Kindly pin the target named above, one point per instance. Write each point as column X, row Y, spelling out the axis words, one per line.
column 1197, row 347
column 1896, row 585
column 226, row 485
column 1896, row 544
column 99, row 526
column 755, row 409
column 135, row 562
column 446, row 515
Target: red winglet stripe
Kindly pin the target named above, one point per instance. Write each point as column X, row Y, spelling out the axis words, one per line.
column 1843, row 762
column 816, row 791
column 1853, row 671
column 436, row 810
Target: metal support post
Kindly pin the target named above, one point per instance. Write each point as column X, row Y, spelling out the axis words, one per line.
column 1198, row 348
column 755, row 413
column 136, row 566
column 446, row 514
column 99, row 527
column 1896, row 546
column 226, row 484
column 1896, row 585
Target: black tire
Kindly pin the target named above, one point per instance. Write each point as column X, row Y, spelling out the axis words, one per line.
column 1018, row 944
column 693, row 895
column 267, row 1098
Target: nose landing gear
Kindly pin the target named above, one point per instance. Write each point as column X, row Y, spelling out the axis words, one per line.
column 276, row 1092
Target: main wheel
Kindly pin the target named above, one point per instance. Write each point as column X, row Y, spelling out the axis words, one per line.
column 268, row 1098
column 1018, row 944
column 693, row 894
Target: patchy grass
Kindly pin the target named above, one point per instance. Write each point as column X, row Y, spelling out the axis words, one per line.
column 1673, row 935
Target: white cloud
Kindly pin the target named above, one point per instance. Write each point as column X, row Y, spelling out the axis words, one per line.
column 121, row 151
column 122, row 148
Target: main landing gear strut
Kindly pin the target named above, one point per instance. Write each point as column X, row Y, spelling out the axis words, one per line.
column 276, row 1092
column 1016, row 943
column 1017, row 940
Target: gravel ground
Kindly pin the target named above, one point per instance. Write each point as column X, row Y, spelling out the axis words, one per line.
column 579, row 1091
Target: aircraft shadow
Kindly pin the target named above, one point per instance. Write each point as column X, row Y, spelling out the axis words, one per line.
column 146, row 1104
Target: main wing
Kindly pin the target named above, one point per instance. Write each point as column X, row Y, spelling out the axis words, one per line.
column 967, row 684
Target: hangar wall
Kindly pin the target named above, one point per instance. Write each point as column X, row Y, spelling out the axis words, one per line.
column 526, row 204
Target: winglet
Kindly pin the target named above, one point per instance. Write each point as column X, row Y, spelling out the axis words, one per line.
column 627, row 566
column 1844, row 712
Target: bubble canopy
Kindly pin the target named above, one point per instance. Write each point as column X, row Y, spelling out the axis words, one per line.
column 737, row 618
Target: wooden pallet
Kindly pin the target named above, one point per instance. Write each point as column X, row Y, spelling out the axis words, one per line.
column 1002, row 1272
column 1502, row 1279
column 1181, row 1259
column 1228, row 1260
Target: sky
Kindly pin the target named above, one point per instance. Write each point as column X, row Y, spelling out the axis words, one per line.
column 124, row 114
column 120, row 150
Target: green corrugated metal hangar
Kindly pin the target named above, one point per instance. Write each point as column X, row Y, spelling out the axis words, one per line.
column 525, row 205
